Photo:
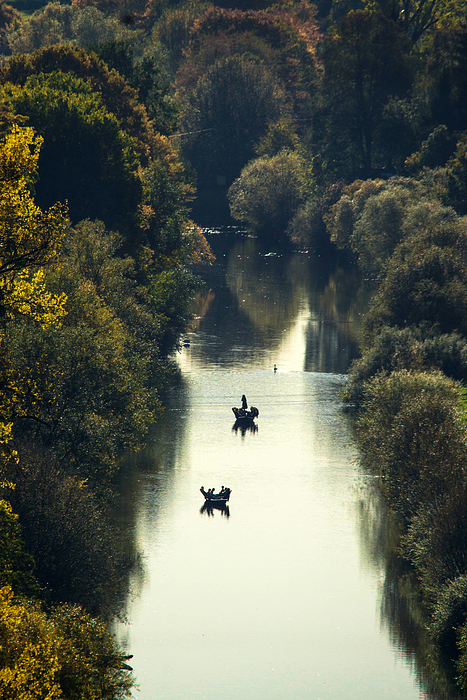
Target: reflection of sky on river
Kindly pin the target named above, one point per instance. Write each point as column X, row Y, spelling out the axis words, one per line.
column 279, row 600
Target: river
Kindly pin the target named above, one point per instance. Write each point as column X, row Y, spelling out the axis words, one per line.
column 286, row 594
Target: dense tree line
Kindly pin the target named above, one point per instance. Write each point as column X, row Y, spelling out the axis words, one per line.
column 336, row 126
column 95, row 243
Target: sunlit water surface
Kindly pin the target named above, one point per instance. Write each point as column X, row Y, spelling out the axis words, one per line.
column 281, row 597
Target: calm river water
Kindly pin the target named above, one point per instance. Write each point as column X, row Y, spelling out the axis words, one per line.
column 286, row 595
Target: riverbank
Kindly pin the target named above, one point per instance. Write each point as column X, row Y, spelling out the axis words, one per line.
column 407, row 389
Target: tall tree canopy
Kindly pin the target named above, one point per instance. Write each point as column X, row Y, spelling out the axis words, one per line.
column 366, row 61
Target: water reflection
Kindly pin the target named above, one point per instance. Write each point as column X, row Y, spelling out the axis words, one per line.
column 263, row 296
column 243, row 427
column 147, row 480
column 400, row 610
column 210, row 508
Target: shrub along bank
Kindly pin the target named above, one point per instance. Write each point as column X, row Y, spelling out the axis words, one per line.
column 408, row 385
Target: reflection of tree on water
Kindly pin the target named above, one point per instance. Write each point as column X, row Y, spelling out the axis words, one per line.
column 200, row 306
column 265, row 292
column 210, row 508
column 157, row 462
column 336, row 314
column 400, row 609
column 244, row 427
column 255, row 296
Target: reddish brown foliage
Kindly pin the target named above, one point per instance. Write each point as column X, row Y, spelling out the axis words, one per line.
column 285, row 40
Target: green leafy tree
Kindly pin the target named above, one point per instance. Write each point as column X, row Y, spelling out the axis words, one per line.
column 171, row 292
column 410, row 348
column 441, row 83
column 307, row 229
column 116, row 97
column 65, row 24
column 280, row 136
column 225, row 116
column 94, row 393
column 16, row 565
column 166, row 195
column 96, row 170
column 425, row 284
column 435, row 151
column 91, row 664
column 412, row 432
column 372, row 217
column 457, row 171
column 78, row 554
column 268, row 193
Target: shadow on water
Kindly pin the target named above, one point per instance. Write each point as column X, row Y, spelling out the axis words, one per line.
column 147, row 478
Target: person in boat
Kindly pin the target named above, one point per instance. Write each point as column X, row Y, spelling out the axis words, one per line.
column 244, row 403
column 208, row 493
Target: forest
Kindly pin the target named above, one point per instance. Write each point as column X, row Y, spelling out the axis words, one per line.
column 125, row 127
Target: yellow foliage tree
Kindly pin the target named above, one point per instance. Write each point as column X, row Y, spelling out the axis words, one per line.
column 29, row 667
column 29, row 239
column 66, row 654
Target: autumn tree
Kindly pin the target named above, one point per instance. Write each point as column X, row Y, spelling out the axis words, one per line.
column 29, row 240
column 10, row 19
column 66, row 654
column 93, row 373
column 285, row 39
column 148, row 76
column 115, row 96
column 417, row 17
column 173, row 28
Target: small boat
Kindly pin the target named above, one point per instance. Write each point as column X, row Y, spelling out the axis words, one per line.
column 243, row 414
column 220, row 498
